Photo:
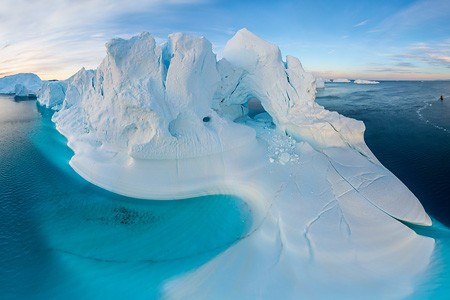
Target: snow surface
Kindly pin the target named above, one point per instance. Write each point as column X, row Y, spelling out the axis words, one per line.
column 20, row 84
column 341, row 80
column 170, row 122
column 362, row 81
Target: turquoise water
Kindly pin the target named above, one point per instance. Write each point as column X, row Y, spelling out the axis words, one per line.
column 63, row 238
column 408, row 129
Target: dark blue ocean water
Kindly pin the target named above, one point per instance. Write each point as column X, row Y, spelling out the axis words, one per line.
column 63, row 238
column 408, row 129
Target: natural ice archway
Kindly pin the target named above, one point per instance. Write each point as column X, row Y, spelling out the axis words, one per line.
column 320, row 199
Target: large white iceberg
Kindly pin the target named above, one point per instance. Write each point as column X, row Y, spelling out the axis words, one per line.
column 171, row 122
column 22, row 84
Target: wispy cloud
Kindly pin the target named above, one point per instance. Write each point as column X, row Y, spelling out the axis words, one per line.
column 414, row 15
column 405, row 65
column 428, row 56
column 362, row 23
column 55, row 38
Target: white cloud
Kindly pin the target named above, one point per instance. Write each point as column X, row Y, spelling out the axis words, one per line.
column 54, row 38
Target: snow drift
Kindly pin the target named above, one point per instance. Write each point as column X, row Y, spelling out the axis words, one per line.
column 170, row 122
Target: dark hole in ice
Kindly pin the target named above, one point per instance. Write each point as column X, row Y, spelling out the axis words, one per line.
column 206, row 119
column 254, row 107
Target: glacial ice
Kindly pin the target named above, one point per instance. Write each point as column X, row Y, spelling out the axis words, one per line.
column 362, row 81
column 170, row 122
column 341, row 80
column 52, row 93
column 21, row 84
column 320, row 83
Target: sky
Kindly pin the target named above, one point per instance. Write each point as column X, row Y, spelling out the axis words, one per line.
column 366, row 39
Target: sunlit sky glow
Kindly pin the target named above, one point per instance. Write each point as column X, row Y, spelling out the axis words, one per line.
column 355, row 39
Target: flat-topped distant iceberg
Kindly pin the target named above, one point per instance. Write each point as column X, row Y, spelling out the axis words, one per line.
column 170, row 122
column 341, row 80
column 362, row 81
column 21, row 85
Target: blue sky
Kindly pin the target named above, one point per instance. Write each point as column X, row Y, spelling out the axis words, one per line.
column 355, row 39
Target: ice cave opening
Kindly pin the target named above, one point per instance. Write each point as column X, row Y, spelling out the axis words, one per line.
column 254, row 107
column 255, row 110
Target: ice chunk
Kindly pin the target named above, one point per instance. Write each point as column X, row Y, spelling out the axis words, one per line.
column 362, row 81
column 52, row 93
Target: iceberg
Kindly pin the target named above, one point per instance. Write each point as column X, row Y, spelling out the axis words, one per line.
column 21, row 85
column 171, row 122
column 341, row 80
column 52, row 93
column 362, row 81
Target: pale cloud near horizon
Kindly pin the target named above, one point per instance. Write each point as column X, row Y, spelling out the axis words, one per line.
column 56, row 38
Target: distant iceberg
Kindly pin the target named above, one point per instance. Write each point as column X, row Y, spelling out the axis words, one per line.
column 362, row 81
column 21, row 85
column 341, row 80
column 171, row 122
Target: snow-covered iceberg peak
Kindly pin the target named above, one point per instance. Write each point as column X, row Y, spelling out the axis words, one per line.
column 155, row 101
column 253, row 68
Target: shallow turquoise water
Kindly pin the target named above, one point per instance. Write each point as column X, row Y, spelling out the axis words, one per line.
column 63, row 238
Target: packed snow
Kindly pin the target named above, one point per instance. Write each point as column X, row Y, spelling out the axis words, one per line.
column 22, row 85
column 362, row 81
column 170, row 122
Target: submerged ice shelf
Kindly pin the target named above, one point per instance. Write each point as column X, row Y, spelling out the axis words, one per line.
column 171, row 122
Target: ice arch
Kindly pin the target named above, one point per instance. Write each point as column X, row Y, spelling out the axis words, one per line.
column 316, row 191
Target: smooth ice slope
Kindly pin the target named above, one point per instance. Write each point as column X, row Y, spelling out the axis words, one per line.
column 170, row 122
column 20, row 84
